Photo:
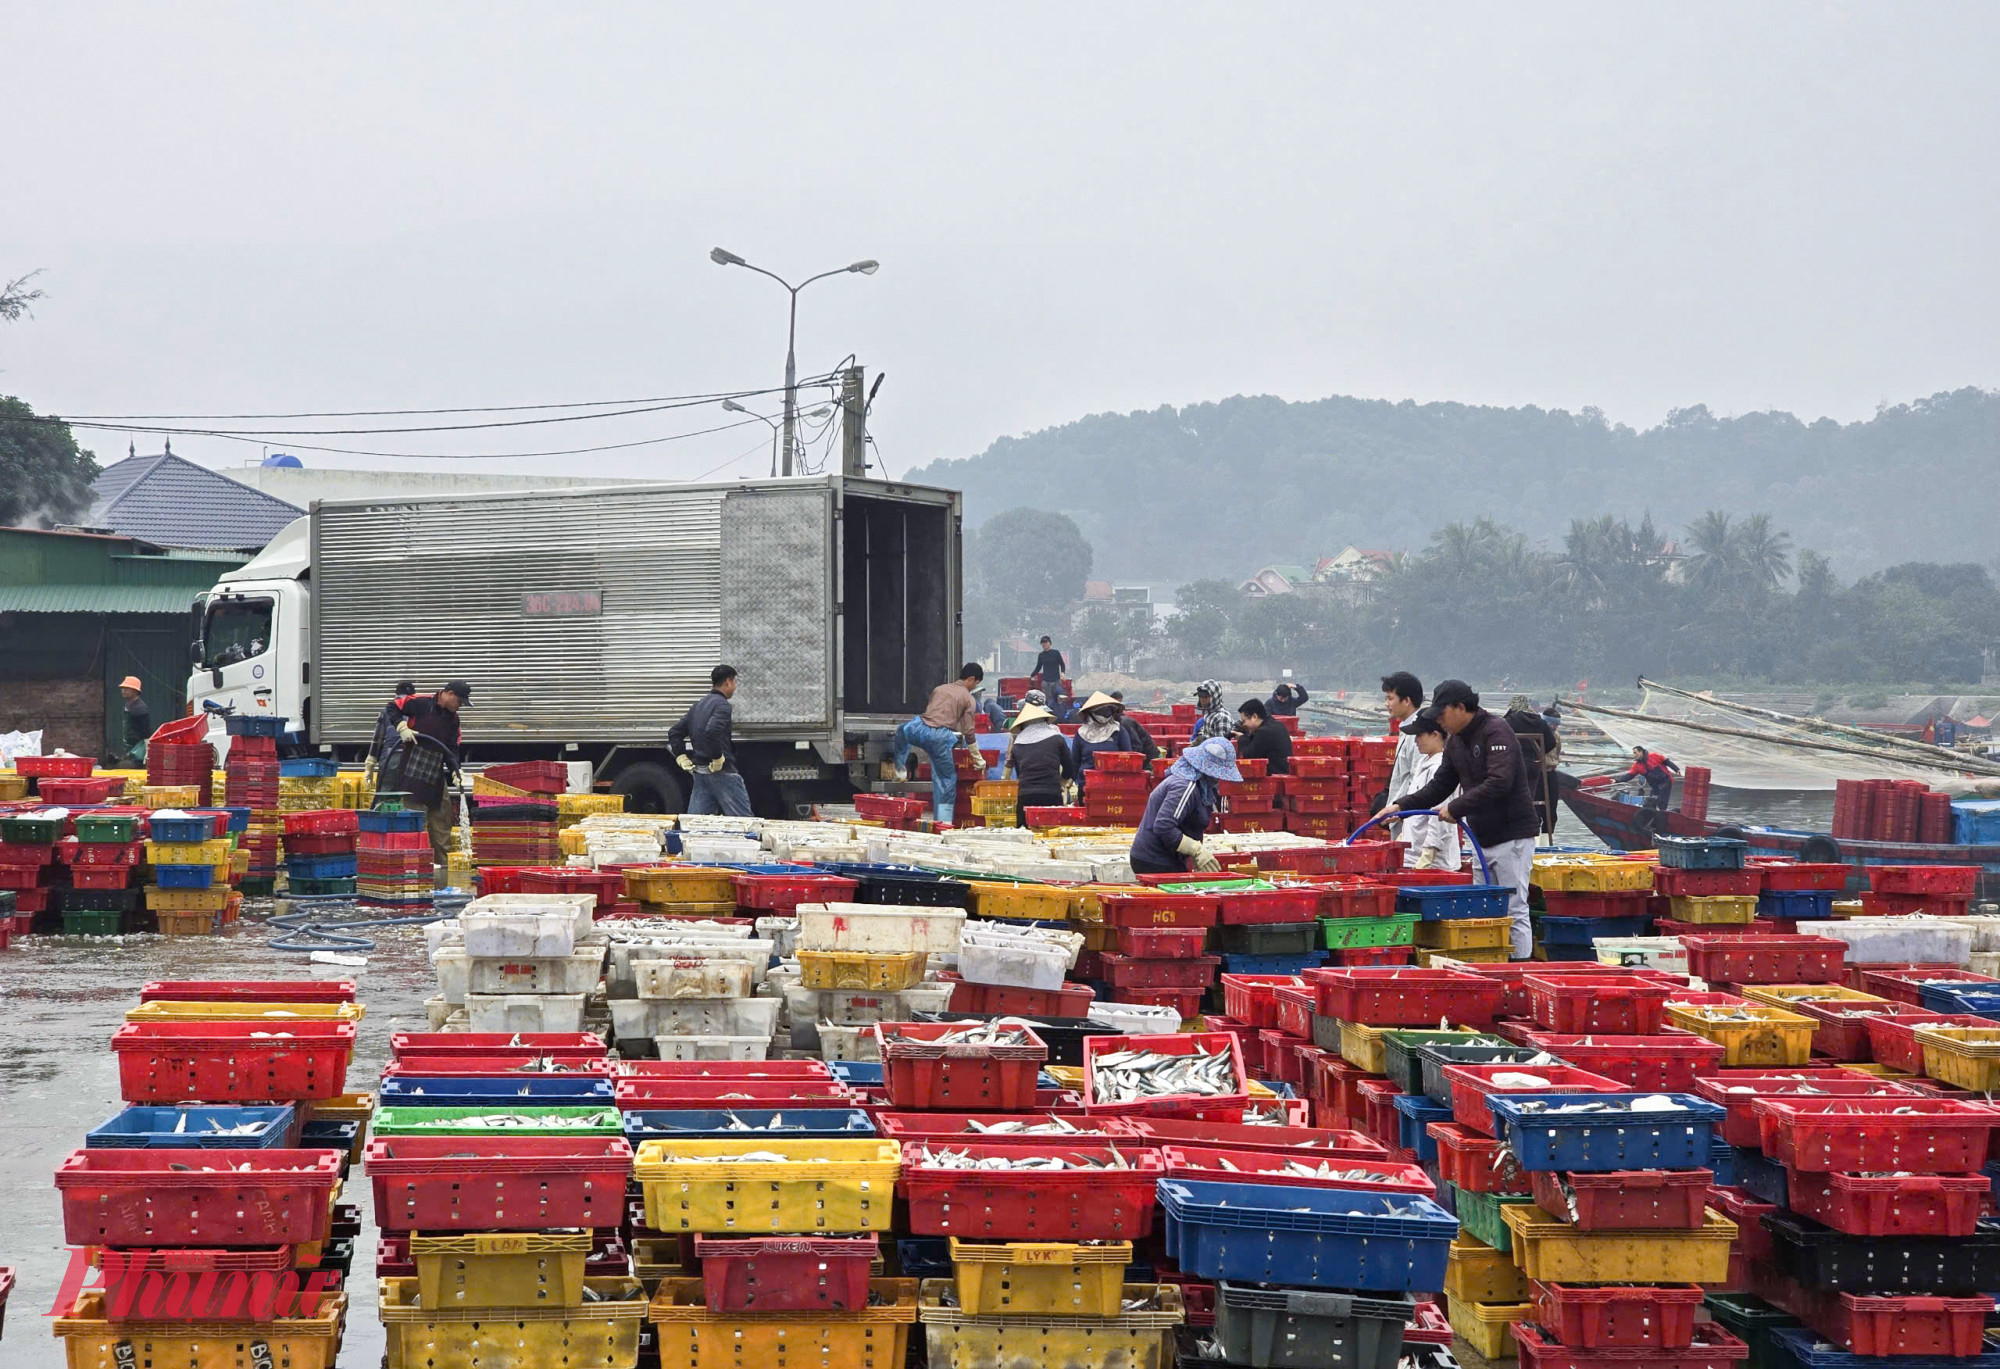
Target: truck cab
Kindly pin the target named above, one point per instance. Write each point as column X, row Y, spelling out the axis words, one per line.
column 251, row 631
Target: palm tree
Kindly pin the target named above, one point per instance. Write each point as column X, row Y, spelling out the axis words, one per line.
column 1713, row 538
column 1763, row 554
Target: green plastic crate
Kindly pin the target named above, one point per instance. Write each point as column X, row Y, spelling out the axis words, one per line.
column 31, row 831
column 109, row 828
column 319, row 888
column 1479, row 1215
column 1399, row 1052
column 92, row 923
column 1752, row 1320
column 553, row 1121
column 1360, row 933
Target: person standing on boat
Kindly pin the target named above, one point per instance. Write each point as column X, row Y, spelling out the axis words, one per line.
column 1656, row 770
column 1483, row 779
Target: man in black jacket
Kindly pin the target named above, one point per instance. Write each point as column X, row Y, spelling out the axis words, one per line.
column 1285, row 700
column 1483, row 760
column 1261, row 735
column 703, row 747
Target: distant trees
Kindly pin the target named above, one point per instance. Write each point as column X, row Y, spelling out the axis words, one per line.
column 1617, row 600
column 44, row 476
column 1022, row 569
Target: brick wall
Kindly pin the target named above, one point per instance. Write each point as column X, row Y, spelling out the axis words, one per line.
column 70, row 713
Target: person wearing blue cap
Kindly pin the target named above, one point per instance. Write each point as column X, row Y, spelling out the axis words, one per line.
column 1169, row 839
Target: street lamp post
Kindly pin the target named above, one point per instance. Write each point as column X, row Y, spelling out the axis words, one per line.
column 733, row 407
column 723, row 257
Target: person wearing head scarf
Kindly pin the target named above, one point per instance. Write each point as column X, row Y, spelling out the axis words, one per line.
column 1215, row 720
column 1170, row 836
column 1039, row 756
column 1101, row 726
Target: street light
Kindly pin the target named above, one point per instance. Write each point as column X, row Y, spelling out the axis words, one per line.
column 733, row 407
column 723, row 257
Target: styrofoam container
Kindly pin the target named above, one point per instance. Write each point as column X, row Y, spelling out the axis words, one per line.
column 1985, row 930
column 1032, row 958
column 859, row 1007
column 1135, row 1019
column 1899, row 940
column 438, row 935
column 712, row 823
column 620, row 980
column 525, row 935
column 712, row 1047
column 525, row 1012
column 879, row 929
column 721, row 850
column 1985, row 962
column 637, row 1017
column 838, row 1042
column 682, row 977
column 576, row 972
column 1642, row 952
column 637, row 931
column 781, row 932
column 581, row 908
column 436, row 1011
column 454, row 971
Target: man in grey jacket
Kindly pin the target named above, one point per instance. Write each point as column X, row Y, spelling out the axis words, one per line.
column 703, row 747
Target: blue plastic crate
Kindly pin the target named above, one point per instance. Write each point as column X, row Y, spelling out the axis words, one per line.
column 460, row 1091
column 1992, row 1173
column 859, row 1074
column 184, row 876
column 1414, row 1114
column 329, row 1134
column 1306, row 1237
column 1975, row 999
column 1447, row 902
column 1761, row 1177
column 1575, row 934
column 308, row 768
column 239, row 818
column 1273, row 964
column 713, row 1125
column 321, row 867
column 180, row 830
column 924, row 1257
column 1701, row 853
column 194, row 1128
column 1596, row 1142
column 1798, row 1348
column 392, row 820
column 1799, row 903
column 1722, row 1160
column 253, row 725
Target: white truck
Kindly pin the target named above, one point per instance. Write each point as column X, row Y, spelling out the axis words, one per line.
column 588, row 620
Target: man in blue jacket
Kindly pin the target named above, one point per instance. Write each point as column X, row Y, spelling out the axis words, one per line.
column 702, row 746
column 1169, row 839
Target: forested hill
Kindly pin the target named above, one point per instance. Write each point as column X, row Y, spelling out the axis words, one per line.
column 1223, row 488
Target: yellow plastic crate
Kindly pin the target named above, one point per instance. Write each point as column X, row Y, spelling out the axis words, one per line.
column 1769, row 1036
column 1475, row 1272
column 1465, row 934
column 859, row 970
column 1498, row 955
column 573, row 841
column 1717, row 909
column 501, row 1269
column 188, row 924
column 1040, row 902
column 1008, row 791
column 819, row 1186
column 186, row 900
column 1848, row 907
column 655, row 1258
column 1869, row 1067
column 1486, row 1326
column 957, row 1339
column 688, row 910
column 680, row 884
column 1966, row 1056
column 92, row 1342
column 1024, row 1278
column 1552, row 1250
column 188, row 852
column 494, row 789
column 603, row 1332
column 171, row 795
column 1784, row 995
column 874, row 1337
column 13, row 787
column 246, row 1012
column 1006, row 817
column 1362, row 1046
column 1590, row 874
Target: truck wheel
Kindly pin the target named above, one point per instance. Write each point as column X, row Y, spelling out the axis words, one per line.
column 649, row 788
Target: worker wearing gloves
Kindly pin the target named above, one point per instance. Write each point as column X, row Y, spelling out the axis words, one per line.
column 1433, row 842
column 704, row 747
column 425, row 758
column 950, row 715
column 1481, row 778
column 1039, row 756
column 1101, row 726
column 1169, row 839
column 385, row 731
column 1215, row 720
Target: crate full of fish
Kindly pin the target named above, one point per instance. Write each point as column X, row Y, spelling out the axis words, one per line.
column 232, row 1062
column 650, row 1091
column 515, row 1119
column 718, row 1124
column 1624, row 1200
column 1738, row 1090
column 197, row 1127
column 1167, row 1074
column 1876, row 1135
column 1320, row 1238
column 491, row 1091
column 1023, row 957
column 1389, row 996
column 961, row 1067
column 1666, row 1062
column 1095, row 1189
column 1598, row 1132
column 124, row 1197
column 1476, row 1088
column 764, row 1186
column 1750, row 1034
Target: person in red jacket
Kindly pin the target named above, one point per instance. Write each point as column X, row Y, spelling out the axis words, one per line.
column 1656, row 770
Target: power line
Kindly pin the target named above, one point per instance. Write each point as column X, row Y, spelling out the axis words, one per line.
column 473, row 409
column 483, row 456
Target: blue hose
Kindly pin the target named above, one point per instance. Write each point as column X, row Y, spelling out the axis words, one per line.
column 320, row 928
column 1478, row 851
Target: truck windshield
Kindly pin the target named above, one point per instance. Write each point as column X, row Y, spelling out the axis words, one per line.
column 237, row 630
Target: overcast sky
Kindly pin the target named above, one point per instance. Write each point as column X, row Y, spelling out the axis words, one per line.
column 1077, row 208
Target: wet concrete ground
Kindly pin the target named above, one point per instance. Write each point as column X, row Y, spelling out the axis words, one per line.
column 60, row 1000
